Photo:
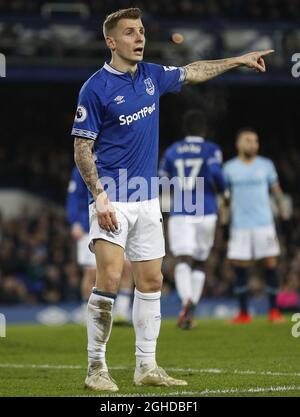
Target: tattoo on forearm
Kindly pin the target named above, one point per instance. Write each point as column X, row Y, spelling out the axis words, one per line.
column 83, row 155
column 205, row 70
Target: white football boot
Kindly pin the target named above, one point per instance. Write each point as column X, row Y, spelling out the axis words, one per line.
column 155, row 375
column 98, row 379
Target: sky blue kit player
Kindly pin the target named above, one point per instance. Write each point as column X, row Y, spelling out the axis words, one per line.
column 78, row 217
column 251, row 178
column 255, row 178
column 120, row 114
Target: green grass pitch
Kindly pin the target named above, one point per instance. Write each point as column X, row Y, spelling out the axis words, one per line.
column 216, row 359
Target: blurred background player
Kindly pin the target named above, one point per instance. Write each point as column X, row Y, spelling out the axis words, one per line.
column 252, row 233
column 191, row 241
column 78, row 217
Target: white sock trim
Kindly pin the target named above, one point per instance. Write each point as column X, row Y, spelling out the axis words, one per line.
column 147, row 295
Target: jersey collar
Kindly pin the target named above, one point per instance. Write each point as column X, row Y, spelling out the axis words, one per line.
column 194, row 139
column 127, row 74
column 112, row 70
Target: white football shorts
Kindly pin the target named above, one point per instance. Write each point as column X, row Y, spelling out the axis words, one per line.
column 140, row 231
column 192, row 238
column 85, row 257
column 256, row 243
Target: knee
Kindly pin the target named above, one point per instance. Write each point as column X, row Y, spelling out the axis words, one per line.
column 150, row 283
column 108, row 279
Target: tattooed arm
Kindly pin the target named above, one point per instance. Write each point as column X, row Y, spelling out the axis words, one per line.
column 83, row 155
column 201, row 71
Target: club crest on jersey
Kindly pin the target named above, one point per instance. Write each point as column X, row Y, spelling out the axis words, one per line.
column 149, row 86
column 81, row 114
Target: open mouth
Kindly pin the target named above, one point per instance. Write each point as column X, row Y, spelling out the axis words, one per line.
column 138, row 50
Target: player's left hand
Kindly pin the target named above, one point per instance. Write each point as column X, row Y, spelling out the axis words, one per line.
column 255, row 60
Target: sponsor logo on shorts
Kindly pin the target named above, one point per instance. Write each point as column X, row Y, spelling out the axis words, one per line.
column 118, row 231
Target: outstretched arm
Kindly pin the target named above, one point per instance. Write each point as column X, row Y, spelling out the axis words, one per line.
column 201, row 71
column 83, row 155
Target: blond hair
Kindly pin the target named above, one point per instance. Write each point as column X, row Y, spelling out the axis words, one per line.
column 112, row 19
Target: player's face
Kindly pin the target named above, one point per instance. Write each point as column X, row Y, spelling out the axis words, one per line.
column 248, row 144
column 128, row 40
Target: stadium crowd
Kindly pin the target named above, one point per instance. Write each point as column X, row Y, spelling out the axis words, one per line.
column 207, row 9
column 37, row 260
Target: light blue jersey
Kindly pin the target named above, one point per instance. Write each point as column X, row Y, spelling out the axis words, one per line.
column 249, row 185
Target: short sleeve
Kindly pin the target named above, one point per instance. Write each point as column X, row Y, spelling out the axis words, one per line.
column 88, row 118
column 214, row 163
column 215, row 156
column 165, row 167
column 169, row 79
column 272, row 173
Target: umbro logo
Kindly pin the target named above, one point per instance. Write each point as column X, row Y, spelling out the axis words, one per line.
column 119, row 99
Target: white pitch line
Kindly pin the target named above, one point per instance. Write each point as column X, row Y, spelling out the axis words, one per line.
column 234, row 371
column 207, row 392
column 283, row 388
column 191, row 370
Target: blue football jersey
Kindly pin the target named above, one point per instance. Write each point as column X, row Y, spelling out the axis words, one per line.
column 193, row 158
column 77, row 201
column 121, row 114
column 249, row 185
